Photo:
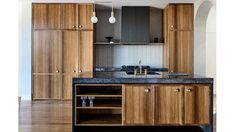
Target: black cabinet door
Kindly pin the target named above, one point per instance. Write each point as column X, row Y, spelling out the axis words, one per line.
column 135, row 24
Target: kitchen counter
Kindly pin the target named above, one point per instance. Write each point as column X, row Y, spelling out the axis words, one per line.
column 123, row 78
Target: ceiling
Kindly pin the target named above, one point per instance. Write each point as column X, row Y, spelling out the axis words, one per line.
column 119, row 3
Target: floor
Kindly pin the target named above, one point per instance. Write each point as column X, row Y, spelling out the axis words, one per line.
column 49, row 116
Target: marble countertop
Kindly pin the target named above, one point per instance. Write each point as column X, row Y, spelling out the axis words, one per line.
column 123, row 78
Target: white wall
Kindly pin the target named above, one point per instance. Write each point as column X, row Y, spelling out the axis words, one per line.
column 211, row 44
column 25, row 49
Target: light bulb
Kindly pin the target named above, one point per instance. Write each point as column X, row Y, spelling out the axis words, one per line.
column 94, row 19
column 112, row 19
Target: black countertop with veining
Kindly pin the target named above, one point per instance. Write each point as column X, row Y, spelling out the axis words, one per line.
column 123, row 78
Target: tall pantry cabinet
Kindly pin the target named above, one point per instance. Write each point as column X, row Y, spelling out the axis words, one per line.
column 62, row 48
column 178, row 37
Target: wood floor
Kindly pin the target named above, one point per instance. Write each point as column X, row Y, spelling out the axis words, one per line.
column 45, row 116
column 48, row 116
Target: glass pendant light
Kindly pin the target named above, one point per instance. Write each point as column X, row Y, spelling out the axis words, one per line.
column 112, row 19
column 94, row 19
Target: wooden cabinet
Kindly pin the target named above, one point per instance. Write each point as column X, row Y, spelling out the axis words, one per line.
column 85, row 51
column 70, row 61
column 77, row 16
column 197, row 104
column 46, row 87
column 168, row 104
column 61, row 48
column 46, row 51
column 138, row 104
column 178, row 38
column 84, row 16
column 46, row 16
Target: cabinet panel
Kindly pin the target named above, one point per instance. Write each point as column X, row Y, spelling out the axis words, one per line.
column 86, row 51
column 197, row 104
column 138, row 104
column 39, row 14
column 70, row 52
column 54, row 16
column 67, row 86
column 46, row 51
column 70, row 16
column 84, row 16
column 46, row 87
column 181, row 51
column 168, row 104
column 184, row 16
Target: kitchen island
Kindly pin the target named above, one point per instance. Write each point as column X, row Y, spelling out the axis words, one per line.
column 108, row 101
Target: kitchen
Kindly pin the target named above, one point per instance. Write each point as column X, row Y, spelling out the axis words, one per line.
column 145, row 52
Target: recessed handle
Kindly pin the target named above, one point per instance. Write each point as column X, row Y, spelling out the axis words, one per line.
column 57, row 71
column 189, row 90
column 146, row 90
column 74, row 70
column 177, row 90
column 80, row 26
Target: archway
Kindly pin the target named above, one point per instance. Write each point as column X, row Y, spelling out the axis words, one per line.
column 200, row 37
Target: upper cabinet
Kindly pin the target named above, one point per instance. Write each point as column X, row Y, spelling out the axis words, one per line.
column 178, row 38
column 77, row 16
column 135, row 25
column 180, row 16
column 46, row 16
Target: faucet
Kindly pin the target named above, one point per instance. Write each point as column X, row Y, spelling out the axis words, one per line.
column 140, row 66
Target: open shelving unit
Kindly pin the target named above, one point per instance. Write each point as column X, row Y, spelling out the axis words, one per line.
column 106, row 109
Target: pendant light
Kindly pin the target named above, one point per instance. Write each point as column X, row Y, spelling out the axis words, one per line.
column 112, row 18
column 94, row 19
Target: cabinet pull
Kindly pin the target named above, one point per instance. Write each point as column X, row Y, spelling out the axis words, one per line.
column 74, row 70
column 80, row 71
column 172, row 26
column 74, row 26
column 80, row 26
column 146, row 90
column 57, row 71
column 177, row 90
column 189, row 90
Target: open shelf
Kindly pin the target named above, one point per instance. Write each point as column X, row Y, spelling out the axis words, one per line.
column 106, row 109
column 100, row 119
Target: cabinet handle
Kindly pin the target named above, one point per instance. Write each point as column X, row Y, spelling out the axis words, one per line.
column 74, row 26
column 189, row 90
column 172, row 71
column 146, row 90
column 177, row 90
column 172, row 26
column 80, row 26
column 74, row 70
column 57, row 71
column 80, row 71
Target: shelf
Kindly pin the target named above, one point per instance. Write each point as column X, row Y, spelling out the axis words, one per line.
column 101, row 119
column 99, row 107
column 98, row 95
column 106, row 43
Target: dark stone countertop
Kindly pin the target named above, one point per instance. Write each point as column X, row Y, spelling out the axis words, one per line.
column 123, row 78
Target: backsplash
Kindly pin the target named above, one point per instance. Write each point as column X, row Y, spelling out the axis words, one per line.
column 118, row 55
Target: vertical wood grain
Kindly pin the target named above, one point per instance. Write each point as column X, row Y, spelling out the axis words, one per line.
column 54, row 16
column 184, row 16
column 86, row 51
column 70, row 16
column 39, row 16
column 46, row 87
column 84, row 16
column 197, row 104
column 70, row 61
column 46, row 51
column 138, row 104
column 168, row 104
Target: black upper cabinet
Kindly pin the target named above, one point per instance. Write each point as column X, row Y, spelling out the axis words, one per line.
column 135, row 24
